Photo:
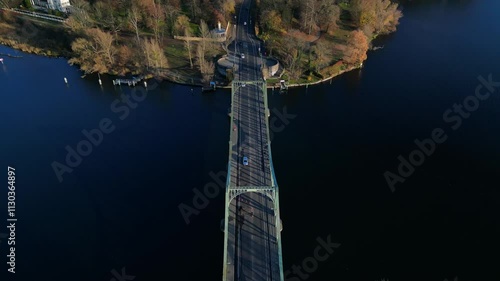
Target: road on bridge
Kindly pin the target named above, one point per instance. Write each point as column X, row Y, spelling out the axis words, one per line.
column 252, row 247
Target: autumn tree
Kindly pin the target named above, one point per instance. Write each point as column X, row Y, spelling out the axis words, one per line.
column 124, row 59
column 356, row 48
column 155, row 57
column 104, row 14
column 79, row 19
column 294, row 49
column 227, row 8
column 206, row 36
column 182, row 24
column 94, row 53
column 134, row 19
column 172, row 10
column 309, row 14
column 376, row 16
column 105, row 44
column 287, row 16
column 322, row 54
column 206, row 67
column 363, row 12
column 189, row 46
column 271, row 20
column 328, row 15
column 388, row 16
column 194, row 7
column 156, row 19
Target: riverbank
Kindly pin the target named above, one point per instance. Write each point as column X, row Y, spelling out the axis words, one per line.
column 34, row 36
column 274, row 82
column 52, row 39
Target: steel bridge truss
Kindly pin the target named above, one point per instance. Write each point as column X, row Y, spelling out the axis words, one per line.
column 271, row 192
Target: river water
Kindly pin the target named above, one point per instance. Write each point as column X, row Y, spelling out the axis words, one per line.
column 118, row 208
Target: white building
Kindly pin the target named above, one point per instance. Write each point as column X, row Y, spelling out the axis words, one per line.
column 219, row 32
column 60, row 5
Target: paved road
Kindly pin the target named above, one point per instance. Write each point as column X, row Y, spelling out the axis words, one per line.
column 252, row 245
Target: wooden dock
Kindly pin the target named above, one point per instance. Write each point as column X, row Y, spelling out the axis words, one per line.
column 131, row 82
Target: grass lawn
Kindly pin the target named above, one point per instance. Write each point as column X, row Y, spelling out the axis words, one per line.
column 176, row 54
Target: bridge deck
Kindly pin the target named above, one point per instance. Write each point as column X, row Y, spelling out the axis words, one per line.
column 252, row 246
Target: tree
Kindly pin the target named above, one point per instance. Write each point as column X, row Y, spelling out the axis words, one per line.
column 227, row 7
column 328, row 15
column 124, row 58
column 376, row 16
column 134, row 19
column 189, row 46
column 157, row 20
column 94, row 53
column 99, row 10
column 104, row 14
column 308, row 15
column 363, row 12
column 356, row 48
column 172, row 10
column 104, row 43
column 322, row 53
column 271, row 20
column 182, row 24
column 388, row 16
column 27, row 4
column 206, row 67
column 293, row 51
column 155, row 58
column 79, row 19
column 205, row 36
column 195, row 9
column 84, row 52
column 287, row 15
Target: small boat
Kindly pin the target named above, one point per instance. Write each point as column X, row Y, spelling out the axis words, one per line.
column 283, row 86
column 211, row 88
column 1, row 60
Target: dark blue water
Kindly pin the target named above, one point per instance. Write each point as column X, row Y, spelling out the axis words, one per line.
column 119, row 207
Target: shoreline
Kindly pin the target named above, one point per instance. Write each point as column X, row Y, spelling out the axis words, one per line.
column 309, row 84
column 295, row 85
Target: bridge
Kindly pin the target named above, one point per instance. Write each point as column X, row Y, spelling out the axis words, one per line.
column 252, row 224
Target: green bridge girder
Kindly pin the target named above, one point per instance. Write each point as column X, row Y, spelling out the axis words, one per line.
column 271, row 191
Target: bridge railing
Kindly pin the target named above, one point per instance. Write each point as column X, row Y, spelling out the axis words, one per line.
column 275, row 185
column 228, row 184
